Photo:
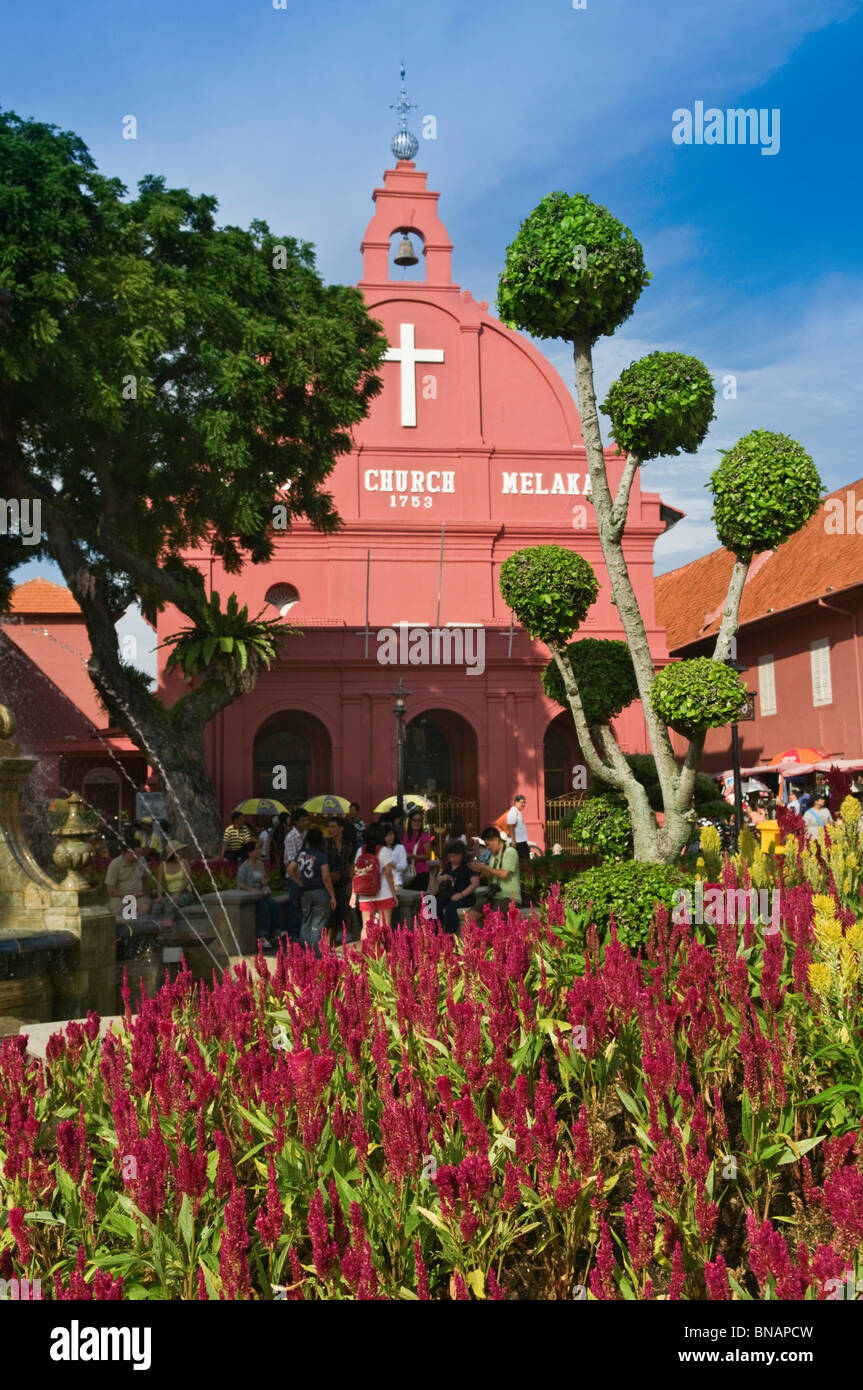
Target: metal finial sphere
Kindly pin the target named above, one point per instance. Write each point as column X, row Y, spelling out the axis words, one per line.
column 404, row 144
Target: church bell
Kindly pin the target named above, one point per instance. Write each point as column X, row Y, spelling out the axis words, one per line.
column 405, row 254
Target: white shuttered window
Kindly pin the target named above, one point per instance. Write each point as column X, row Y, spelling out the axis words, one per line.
column 822, row 688
column 766, row 685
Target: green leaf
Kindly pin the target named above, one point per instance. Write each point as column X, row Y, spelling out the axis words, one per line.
column 796, row 1149
column 186, row 1222
column 432, row 1217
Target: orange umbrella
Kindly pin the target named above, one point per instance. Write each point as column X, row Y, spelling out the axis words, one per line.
column 798, row 755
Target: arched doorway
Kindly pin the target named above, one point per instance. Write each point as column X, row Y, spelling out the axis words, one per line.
column 560, row 756
column 442, row 762
column 563, row 790
column 292, row 758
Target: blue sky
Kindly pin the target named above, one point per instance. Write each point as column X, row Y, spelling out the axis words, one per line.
column 284, row 114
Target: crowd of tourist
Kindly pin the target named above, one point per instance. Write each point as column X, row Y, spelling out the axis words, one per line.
column 338, row 873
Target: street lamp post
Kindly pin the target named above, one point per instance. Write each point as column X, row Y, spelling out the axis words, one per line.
column 747, row 713
column 5, row 307
column 400, row 695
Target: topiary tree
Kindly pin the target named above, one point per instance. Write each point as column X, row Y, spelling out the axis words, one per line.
column 604, row 674
column 575, row 272
column 602, row 825
column 697, row 695
column 554, row 589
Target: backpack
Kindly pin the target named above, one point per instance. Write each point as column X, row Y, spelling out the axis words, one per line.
column 367, row 877
column 505, row 830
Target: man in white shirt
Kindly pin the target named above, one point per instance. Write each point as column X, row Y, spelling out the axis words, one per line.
column 518, row 829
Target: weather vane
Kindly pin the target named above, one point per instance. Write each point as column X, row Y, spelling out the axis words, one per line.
column 405, row 144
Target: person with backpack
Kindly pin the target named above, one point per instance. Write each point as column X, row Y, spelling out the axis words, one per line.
column 310, row 871
column 374, row 890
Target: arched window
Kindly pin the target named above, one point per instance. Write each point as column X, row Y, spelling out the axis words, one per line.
column 427, row 756
column 292, row 758
column 102, row 790
column 558, row 760
column 282, row 597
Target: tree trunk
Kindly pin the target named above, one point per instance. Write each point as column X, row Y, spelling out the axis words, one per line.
column 172, row 739
column 190, row 797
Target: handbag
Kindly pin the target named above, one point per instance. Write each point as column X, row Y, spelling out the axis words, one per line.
column 408, row 875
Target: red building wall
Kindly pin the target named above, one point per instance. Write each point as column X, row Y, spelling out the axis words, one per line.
column 494, row 462
column 835, row 729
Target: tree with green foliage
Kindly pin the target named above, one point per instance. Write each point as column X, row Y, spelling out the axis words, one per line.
column 167, row 385
column 575, row 272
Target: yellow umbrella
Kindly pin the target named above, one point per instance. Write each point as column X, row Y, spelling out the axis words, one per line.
column 260, row 806
column 410, row 800
column 330, row 805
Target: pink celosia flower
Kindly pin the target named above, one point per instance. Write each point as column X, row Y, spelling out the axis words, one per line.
column 716, row 1278
column 18, row 1231
column 601, row 1278
column 421, row 1273
column 325, row 1251
column 233, row 1265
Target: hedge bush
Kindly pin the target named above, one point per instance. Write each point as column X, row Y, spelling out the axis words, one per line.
column 630, row 891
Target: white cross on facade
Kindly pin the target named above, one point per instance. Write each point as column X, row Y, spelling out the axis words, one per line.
column 408, row 355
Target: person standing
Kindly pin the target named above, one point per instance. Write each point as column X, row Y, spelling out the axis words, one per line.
column 310, row 871
column 399, row 853
column 817, row 818
column 252, row 878
column 517, row 827
column 341, row 851
column 295, row 840
column 374, row 890
column 277, row 841
column 354, row 820
column 418, row 844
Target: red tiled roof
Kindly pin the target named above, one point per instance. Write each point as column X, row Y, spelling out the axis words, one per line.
column 808, row 566
column 41, row 596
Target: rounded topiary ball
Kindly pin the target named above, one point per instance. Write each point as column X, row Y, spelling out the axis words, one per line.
column 549, row 589
column 764, row 490
column 604, row 674
column 661, row 405
column 573, row 271
column 698, row 694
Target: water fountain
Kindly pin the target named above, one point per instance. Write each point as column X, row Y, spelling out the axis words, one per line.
column 57, row 941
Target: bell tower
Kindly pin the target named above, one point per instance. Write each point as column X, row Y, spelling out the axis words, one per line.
column 406, row 206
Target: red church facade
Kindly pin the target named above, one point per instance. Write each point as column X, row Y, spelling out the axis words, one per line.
column 473, row 450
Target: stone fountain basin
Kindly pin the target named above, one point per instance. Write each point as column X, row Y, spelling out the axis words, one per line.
column 22, row 952
column 133, row 937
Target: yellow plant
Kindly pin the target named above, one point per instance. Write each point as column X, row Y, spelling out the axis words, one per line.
column 746, row 845
column 835, row 977
column 711, row 850
column 763, row 869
